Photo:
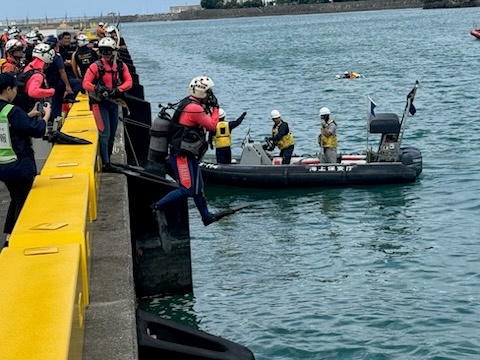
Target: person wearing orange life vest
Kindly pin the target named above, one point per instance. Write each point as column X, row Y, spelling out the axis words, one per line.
column 106, row 79
column 328, row 136
column 222, row 137
column 281, row 137
column 14, row 52
column 195, row 114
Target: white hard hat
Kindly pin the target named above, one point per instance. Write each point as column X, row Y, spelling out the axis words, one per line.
column 82, row 40
column 221, row 113
column 346, row 73
column 107, row 43
column 44, row 52
column 13, row 45
column 101, row 23
column 324, row 111
column 275, row 114
column 199, row 86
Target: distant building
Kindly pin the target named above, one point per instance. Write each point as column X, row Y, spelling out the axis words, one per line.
column 179, row 9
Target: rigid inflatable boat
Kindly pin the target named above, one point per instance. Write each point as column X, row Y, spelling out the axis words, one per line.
column 389, row 163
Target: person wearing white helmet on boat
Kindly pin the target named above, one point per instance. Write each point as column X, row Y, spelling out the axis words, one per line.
column 83, row 57
column 222, row 137
column 327, row 139
column 281, row 137
column 196, row 113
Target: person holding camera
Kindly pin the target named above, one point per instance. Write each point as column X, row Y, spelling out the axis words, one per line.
column 281, row 137
column 17, row 161
column 195, row 114
column 327, row 139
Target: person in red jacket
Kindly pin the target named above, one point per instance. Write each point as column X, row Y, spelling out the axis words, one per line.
column 34, row 88
column 106, row 79
column 195, row 114
column 14, row 57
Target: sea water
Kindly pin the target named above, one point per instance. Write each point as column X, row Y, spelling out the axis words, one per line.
column 382, row 272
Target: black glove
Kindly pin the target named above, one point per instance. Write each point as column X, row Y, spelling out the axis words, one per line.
column 114, row 93
column 213, row 102
column 101, row 91
column 240, row 119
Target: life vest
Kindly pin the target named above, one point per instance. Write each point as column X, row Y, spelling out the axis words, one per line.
column 286, row 141
column 186, row 140
column 22, row 99
column 7, row 155
column 329, row 141
column 117, row 76
column 223, row 137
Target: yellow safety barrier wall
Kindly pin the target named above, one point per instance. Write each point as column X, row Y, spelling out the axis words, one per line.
column 41, row 312
column 44, row 292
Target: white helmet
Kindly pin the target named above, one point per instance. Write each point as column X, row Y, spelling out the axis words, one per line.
column 221, row 113
column 13, row 45
column 43, row 52
column 31, row 37
column 324, row 111
column 108, row 43
column 82, row 40
column 275, row 114
column 111, row 29
column 12, row 32
column 101, row 23
column 200, row 86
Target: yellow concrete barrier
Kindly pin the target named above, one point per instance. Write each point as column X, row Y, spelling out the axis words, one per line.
column 41, row 306
column 55, row 213
column 74, row 159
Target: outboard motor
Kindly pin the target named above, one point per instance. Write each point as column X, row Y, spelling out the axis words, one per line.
column 412, row 157
column 159, row 142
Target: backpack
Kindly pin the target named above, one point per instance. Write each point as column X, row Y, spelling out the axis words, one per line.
column 22, row 99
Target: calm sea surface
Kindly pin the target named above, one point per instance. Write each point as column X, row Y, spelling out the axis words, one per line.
column 385, row 272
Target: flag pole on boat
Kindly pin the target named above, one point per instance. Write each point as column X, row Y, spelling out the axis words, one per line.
column 409, row 110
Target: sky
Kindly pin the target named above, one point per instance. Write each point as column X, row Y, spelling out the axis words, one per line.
column 34, row 9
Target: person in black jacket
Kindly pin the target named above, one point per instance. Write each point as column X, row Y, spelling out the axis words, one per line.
column 17, row 161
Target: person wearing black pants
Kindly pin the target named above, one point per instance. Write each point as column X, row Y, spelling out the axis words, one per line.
column 17, row 161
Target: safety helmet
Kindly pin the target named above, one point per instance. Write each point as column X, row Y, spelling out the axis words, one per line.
column 12, row 32
column 101, row 23
column 43, row 52
column 31, row 37
column 324, row 111
column 346, row 73
column 107, row 43
column 275, row 114
column 13, row 45
column 82, row 40
column 200, row 86
column 111, row 28
column 221, row 113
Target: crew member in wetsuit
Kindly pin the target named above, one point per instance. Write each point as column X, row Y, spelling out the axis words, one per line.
column 107, row 80
column 281, row 137
column 222, row 137
column 188, row 144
